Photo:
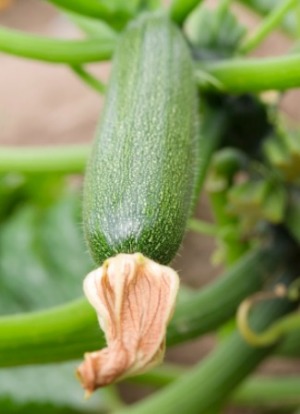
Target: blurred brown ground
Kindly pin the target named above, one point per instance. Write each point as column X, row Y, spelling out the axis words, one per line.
column 47, row 104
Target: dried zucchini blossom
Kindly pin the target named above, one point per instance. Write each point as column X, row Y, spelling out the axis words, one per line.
column 134, row 298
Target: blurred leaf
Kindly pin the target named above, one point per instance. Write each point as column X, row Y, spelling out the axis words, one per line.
column 257, row 200
column 43, row 260
column 45, row 389
column 214, row 33
column 283, row 152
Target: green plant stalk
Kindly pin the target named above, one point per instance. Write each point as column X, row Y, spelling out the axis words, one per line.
column 58, row 334
column 267, row 25
column 268, row 392
column 212, row 130
column 180, row 9
column 255, row 392
column 105, row 10
column 209, row 384
column 73, row 52
column 263, row 9
column 254, row 75
column 66, row 332
column 112, row 398
column 88, row 78
column 218, row 302
column 72, row 158
column 56, row 159
column 91, row 27
column 275, row 332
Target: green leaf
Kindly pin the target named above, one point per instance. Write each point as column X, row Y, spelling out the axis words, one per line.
column 43, row 257
column 214, row 33
column 43, row 261
column 50, row 389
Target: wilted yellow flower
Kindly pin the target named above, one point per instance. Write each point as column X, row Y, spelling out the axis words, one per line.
column 134, row 298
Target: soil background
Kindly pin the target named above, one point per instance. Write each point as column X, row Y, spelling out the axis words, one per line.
column 44, row 104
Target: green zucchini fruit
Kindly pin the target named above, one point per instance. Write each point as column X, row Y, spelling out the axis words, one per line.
column 141, row 177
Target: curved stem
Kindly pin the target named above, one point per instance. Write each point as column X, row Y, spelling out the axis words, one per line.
column 207, row 385
column 267, row 25
column 253, row 75
column 58, row 159
column 265, row 8
column 58, row 334
column 88, row 78
column 99, row 9
column 263, row 391
column 46, row 49
column 66, row 332
column 92, row 27
column 255, row 392
column 180, row 9
column 275, row 332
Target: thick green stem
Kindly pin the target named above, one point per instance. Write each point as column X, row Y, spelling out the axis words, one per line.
column 72, row 52
column 58, row 159
column 180, row 9
column 268, row 392
column 253, row 75
column 215, row 304
column 209, row 384
column 88, row 78
column 267, row 25
column 255, row 392
column 58, row 334
column 92, row 27
column 66, row 332
column 115, row 13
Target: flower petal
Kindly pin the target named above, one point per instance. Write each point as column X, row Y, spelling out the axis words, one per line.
column 134, row 298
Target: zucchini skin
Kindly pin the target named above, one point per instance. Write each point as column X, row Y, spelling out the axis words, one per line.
column 141, row 177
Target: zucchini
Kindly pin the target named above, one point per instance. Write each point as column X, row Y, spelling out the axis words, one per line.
column 142, row 173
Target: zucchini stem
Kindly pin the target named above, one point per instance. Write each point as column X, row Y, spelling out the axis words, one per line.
column 275, row 332
column 208, row 385
column 253, row 75
column 255, row 392
column 88, row 78
column 54, row 159
column 269, row 23
column 66, row 332
column 73, row 52
column 288, row 26
column 107, row 11
column 180, row 9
